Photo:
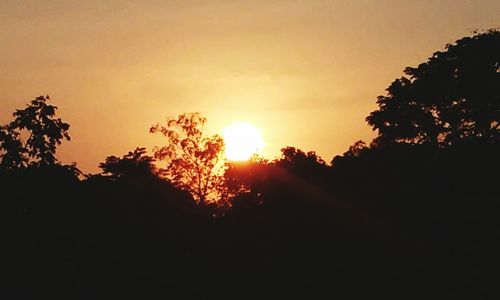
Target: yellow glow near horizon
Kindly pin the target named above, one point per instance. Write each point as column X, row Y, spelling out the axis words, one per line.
column 242, row 140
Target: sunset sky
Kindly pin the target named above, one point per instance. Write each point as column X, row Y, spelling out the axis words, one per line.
column 306, row 73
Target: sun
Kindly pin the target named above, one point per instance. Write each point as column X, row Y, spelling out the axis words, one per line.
column 242, row 140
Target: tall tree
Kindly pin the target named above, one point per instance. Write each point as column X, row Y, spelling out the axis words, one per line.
column 194, row 161
column 454, row 96
column 44, row 133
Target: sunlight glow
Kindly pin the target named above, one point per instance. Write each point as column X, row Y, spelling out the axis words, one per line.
column 242, row 140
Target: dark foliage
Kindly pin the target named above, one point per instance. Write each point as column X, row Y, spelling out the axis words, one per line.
column 405, row 222
column 131, row 167
column 44, row 131
column 454, row 96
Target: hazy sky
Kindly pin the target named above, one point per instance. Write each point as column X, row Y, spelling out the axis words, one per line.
column 306, row 72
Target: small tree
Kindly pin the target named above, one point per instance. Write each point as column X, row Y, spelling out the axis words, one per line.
column 194, row 161
column 44, row 133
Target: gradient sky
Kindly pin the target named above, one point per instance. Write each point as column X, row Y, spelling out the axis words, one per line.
column 306, row 72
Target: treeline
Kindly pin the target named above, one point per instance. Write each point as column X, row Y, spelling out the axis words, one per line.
column 413, row 215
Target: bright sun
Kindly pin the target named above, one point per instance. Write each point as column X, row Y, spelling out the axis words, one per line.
column 242, row 141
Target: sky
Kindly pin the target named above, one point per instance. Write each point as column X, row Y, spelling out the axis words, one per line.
column 306, row 73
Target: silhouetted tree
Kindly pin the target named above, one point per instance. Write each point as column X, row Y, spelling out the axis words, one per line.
column 356, row 149
column 306, row 165
column 11, row 149
column 453, row 96
column 293, row 156
column 195, row 161
column 246, row 177
column 134, row 164
column 44, row 131
column 293, row 173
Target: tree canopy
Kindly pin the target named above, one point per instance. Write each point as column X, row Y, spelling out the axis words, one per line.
column 44, row 133
column 134, row 164
column 454, row 96
column 194, row 160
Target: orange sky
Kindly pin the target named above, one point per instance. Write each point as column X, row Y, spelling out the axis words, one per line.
column 306, row 72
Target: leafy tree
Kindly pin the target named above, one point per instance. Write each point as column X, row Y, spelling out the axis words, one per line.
column 195, row 161
column 308, row 166
column 135, row 164
column 259, row 178
column 291, row 156
column 356, row 149
column 246, row 177
column 11, row 149
column 44, row 133
column 454, row 96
